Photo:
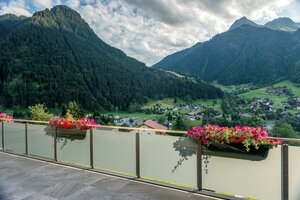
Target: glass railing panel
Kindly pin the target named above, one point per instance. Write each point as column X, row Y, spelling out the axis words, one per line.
column 294, row 172
column 168, row 159
column 73, row 147
column 1, row 135
column 14, row 137
column 40, row 141
column 243, row 175
column 114, row 150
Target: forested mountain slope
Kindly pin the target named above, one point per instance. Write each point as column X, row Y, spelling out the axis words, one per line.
column 54, row 57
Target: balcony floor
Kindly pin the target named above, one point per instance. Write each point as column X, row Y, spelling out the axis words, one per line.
column 28, row 179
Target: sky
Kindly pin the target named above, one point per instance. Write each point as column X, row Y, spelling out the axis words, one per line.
column 149, row 30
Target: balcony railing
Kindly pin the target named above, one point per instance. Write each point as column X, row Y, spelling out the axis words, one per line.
column 169, row 159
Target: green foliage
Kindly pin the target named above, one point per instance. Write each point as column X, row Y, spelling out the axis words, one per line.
column 170, row 117
column 39, row 112
column 292, row 120
column 19, row 114
column 74, row 110
column 103, row 120
column 296, row 75
column 180, row 124
column 230, row 104
column 284, row 130
column 175, row 100
column 162, row 119
column 210, row 112
column 54, row 57
column 253, row 121
column 134, row 107
column 184, row 124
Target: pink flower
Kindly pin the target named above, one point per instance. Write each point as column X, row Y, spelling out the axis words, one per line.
column 245, row 135
column 67, row 123
column 6, row 118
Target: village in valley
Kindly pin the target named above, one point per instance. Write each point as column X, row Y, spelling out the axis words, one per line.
column 167, row 115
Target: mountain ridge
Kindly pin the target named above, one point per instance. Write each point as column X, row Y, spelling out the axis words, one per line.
column 242, row 21
column 283, row 24
column 246, row 54
column 280, row 24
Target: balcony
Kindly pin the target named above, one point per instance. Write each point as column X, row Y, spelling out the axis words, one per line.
column 142, row 156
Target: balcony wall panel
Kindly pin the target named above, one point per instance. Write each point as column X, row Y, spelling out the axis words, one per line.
column 114, row 150
column 168, row 159
column 14, row 137
column 40, row 142
column 1, row 136
column 256, row 179
column 73, row 149
column 294, row 172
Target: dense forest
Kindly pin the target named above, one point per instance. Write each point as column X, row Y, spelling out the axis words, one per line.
column 54, row 57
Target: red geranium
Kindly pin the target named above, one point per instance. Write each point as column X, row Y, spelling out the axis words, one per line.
column 69, row 123
column 5, row 118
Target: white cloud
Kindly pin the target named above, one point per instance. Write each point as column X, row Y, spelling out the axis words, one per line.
column 42, row 4
column 16, row 7
column 151, row 29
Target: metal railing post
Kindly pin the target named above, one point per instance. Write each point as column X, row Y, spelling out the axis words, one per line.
column 55, row 144
column 2, row 128
column 199, row 166
column 26, row 139
column 91, row 148
column 137, row 154
column 284, row 171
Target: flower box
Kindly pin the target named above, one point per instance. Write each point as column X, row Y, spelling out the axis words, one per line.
column 236, row 151
column 69, row 123
column 70, row 128
column 5, row 118
column 73, row 134
column 237, row 142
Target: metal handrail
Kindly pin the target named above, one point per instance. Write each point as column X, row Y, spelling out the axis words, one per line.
column 111, row 127
column 285, row 139
column 145, row 129
column 30, row 121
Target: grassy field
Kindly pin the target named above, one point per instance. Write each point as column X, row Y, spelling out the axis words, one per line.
column 222, row 87
column 165, row 103
column 169, row 103
column 261, row 93
column 133, row 115
column 233, row 88
column 195, row 123
column 292, row 86
column 215, row 103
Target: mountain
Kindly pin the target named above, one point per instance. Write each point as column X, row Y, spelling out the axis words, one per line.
column 246, row 54
column 178, row 56
column 242, row 21
column 283, row 24
column 54, row 57
column 279, row 24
